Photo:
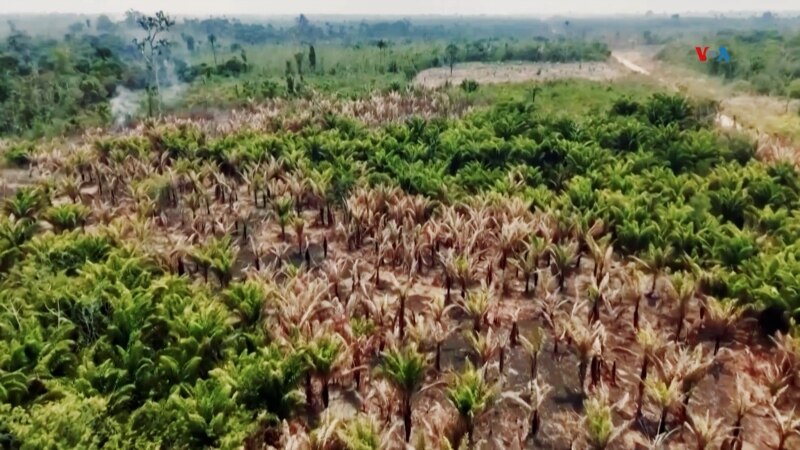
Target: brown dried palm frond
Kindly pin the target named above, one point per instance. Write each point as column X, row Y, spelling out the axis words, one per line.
column 707, row 432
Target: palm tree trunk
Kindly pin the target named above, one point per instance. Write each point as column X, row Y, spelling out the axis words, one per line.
column 680, row 325
column 514, row 335
column 652, row 292
column 582, row 373
column 535, row 423
column 642, row 378
column 402, row 317
column 407, row 418
column 325, row 392
column 662, row 423
column 438, row 356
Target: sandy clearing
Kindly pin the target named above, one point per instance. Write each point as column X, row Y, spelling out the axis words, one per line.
column 629, row 64
column 516, row 72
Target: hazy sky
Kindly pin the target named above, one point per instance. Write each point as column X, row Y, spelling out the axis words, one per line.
column 394, row 7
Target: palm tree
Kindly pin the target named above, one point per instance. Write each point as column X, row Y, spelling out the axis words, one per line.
column 405, row 370
column 588, row 342
column 721, row 319
column 246, row 299
column 602, row 253
column 652, row 345
column 477, row 305
column 654, row 261
column 67, row 217
column 633, row 290
column 528, row 262
column 707, row 432
column 531, row 401
column 533, row 346
column 299, row 225
column 282, row 209
column 484, row 346
column 472, row 396
column 684, row 289
column 786, row 424
column 381, row 44
column 665, row 395
column 747, row 397
column 223, row 259
column 690, row 368
column 363, row 433
column 562, row 260
column 212, row 41
column 322, row 355
column 599, row 424
column 465, row 269
column 452, row 55
column 24, row 205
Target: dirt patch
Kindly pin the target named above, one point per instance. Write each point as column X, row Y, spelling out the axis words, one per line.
column 517, row 72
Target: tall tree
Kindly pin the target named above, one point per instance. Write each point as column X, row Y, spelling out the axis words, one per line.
column 452, row 56
column 382, row 44
column 212, row 41
column 150, row 47
column 312, row 58
column 298, row 58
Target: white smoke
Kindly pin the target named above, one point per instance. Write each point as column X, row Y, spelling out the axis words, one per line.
column 126, row 105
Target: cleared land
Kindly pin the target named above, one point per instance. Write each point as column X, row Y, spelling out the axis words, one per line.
column 516, row 72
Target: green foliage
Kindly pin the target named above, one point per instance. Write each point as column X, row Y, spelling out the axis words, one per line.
column 266, row 380
column 18, row 155
column 67, row 217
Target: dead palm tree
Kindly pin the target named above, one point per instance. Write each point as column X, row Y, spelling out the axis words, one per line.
column 721, row 319
column 602, row 254
column 747, row 397
column 477, row 306
column 531, row 400
column 652, row 345
column 562, row 260
column 633, row 291
column 786, row 425
column 654, row 262
column 528, row 261
column 707, row 432
column 533, row 345
column 665, row 394
column 588, row 342
column 484, row 346
column 466, row 270
column 683, row 287
column 299, row 226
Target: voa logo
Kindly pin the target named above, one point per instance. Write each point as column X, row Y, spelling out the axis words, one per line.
column 721, row 55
